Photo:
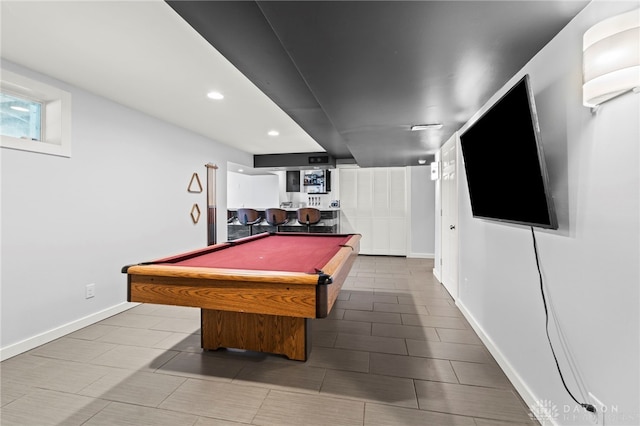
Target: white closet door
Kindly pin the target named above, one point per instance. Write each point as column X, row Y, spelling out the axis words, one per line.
column 377, row 210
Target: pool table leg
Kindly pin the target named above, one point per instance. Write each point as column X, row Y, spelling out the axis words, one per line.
column 289, row 336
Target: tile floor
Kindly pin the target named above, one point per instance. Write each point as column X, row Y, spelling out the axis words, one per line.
column 394, row 351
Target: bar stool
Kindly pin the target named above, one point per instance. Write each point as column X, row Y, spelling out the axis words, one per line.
column 308, row 216
column 249, row 217
column 230, row 216
column 276, row 217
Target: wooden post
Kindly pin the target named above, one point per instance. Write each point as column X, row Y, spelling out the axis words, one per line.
column 211, row 203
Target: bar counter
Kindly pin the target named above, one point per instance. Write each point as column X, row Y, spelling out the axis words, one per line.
column 329, row 223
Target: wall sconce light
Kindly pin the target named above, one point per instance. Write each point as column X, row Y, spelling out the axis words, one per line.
column 611, row 58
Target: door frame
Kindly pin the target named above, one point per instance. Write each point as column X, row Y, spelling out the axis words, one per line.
column 449, row 249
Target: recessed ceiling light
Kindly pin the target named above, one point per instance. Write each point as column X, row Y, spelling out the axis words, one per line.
column 240, row 170
column 273, row 133
column 215, row 95
column 421, row 161
column 430, row 126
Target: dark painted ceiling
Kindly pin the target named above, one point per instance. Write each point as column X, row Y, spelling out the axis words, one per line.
column 356, row 75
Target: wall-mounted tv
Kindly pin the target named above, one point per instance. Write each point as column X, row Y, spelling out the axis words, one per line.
column 504, row 162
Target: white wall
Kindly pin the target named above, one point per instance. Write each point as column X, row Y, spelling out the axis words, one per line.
column 257, row 191
column 121, row 198
column 421, row 208
column 590, row 264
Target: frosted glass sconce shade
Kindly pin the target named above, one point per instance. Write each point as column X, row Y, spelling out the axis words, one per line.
column 611, row 58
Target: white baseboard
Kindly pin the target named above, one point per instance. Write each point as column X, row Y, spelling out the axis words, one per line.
column 437, row 275
column 48, row 336
column 520, row 385
column 421, row 255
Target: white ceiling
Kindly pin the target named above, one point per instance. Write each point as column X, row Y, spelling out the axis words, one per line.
column 143, row 55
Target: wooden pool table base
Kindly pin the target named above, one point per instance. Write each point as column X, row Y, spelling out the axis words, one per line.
column 277, row 334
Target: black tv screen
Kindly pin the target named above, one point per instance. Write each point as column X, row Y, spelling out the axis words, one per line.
column 504, row 162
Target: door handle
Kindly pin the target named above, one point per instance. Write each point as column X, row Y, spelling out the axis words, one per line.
column 452, row 227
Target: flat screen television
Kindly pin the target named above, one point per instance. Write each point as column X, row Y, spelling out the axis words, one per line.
column 504, row 162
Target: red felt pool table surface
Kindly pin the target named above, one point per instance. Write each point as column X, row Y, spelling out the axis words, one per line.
column 256, row 293
column 306, row 253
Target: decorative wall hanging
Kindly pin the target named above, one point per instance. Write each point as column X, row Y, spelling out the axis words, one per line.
column 194, row 184
column 195, row 213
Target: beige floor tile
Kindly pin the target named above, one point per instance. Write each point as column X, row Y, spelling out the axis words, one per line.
column 117, row 413
column 134, row 358
column 134, row 388
column 50, row 408
column 93, row 332
column 412, row 367
column 488, row 403
column 61, row 375
column 360, row 305
column 341, row 326
column 370, row 387
column 370, row 296
column 134, row 336
column 427, row 301
column 339, row 359
column 373, row 317
column 226, row 401
column 336, row 313
column 450, row 351
column 376, row 284
column 184, row 342
column 26, row 368
column 11, row 390
column 404, row 331
column 458, row 336
column 387, row 415
column 293, row 409
column 434, row 321
column 73, row 349
column 288, row 376
column 144, row 308
column 203, row 365
column 401, row 309
column 178, row 325
column 488, row 375
column 492, row 422
column 357, row 342
column 127, row 319
column 445, row 311
column 325, row 339
column 206, row 421
column 168, row 311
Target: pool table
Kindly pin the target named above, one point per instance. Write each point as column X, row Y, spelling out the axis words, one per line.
column 256, row 293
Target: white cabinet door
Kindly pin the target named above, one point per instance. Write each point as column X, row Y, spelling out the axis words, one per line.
column 373, row 204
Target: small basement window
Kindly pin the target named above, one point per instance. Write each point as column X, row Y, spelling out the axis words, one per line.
column 20, row 118
column 34, row 116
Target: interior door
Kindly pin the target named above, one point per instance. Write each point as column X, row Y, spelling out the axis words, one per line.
column 449, row 222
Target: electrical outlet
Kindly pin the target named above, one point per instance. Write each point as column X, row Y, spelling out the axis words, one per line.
column 90, row 291
column 600, row 409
